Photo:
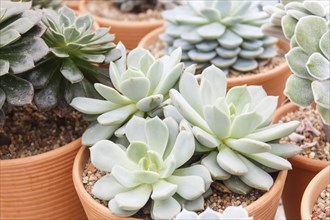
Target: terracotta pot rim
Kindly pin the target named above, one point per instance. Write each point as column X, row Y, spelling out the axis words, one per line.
column 275, row 189
column 42, row 156
column 314, row 188
column 299, row 160
column 123, row 24
column 233, row 81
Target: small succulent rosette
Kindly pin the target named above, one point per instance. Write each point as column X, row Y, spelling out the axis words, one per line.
column 286, row 14
column 232, row 130
column 151, row 168
column 69, row 69
column 309, row 60
column 141, row 85
column 226, row 34
column 230, row 213
column 20, row 48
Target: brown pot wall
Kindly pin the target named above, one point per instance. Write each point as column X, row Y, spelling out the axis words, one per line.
column 273, row 81
column 40, row 187
column 73, row 4
column 312, row 192
column 304, row 169
column 128, row 32
column 264, row 208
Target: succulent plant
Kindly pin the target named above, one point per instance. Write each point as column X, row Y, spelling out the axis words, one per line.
column 233, row 130
column 149, row 169
column 69, row 70
column 54, row 4
column 285, row 15
column 231, row 212
column 20, row 47
column 140, row 89
column 226, row 34
column 138, row 6
column 309, row 60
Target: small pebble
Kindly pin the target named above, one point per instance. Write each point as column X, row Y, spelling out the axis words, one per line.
column 314, row 143
column 321, row 210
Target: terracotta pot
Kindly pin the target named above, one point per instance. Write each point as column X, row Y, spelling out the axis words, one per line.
column 303, row 171
column 264, row 208
column 40, row 187
column 128, row 32
column 273, row 80
column 312, row 192
column 73, row 4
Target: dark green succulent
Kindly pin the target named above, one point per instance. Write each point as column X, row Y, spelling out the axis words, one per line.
column 69, row 70
column 138, row 6
column 20, row 47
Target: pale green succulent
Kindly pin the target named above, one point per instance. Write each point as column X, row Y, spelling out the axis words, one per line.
column 69, row 70
column 309, row 60
column 233, row 130
column 230, row 213
column 225, row 33
column 141, row 85
column 20, row 48
column 151, row 168
column 286, row 14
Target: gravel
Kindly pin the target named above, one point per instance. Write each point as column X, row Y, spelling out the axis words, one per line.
column 29, row 132
column 104, row 8
column 309, row 135
column 321, row 210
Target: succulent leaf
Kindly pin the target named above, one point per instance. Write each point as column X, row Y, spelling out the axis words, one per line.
column 310, row 64
column 233, row 133
column 286, row 14
column 218, row 33
column 143, row 171
column 20, row 48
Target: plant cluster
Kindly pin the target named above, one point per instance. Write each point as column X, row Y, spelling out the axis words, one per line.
column 141, row 85
column 286, row 14
column 138, row 6
column 20, row 48
column 205, row 133
column 309, row 60
column 226, row 34
column 68, row 70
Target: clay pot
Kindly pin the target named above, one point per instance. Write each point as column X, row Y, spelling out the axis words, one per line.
column 312, row 192
column 264, row 208
column 272, row 81
column 40, row 187
column 73, row 4
column 128, row 32
column 303, row 171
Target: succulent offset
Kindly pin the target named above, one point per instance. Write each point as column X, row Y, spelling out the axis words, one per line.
column 231, row 212
column 226, row 34
column 233, row 130
column 138, row 6
column 141, row 85
column 20, row 47
column 69, row 70
column 149, row 169
column 286, row 14
column 309, row 60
